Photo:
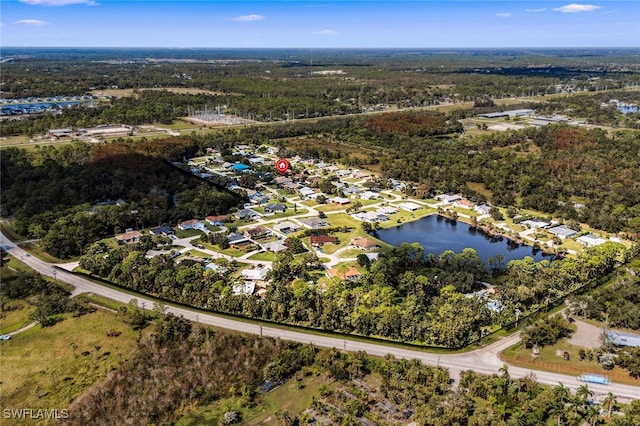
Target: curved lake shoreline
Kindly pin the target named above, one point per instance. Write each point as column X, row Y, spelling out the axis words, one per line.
column 437, row 234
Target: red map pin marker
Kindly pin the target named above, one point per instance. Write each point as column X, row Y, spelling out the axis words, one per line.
column 282, row 165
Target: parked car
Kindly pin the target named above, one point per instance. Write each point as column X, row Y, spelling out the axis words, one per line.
column 5, row 337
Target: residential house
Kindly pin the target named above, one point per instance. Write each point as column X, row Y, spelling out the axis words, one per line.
column 291, row 187
column 387, row 210
column 257, row 275
column 465, row 204
column 339, row 201
column 282, row 180
column 338, row 184
column 286, row 227
column 275, row 208
column 319, row 240
column 192, row 224
column 306, row 192
column 562, row 232
column 128, row 237
column 352, row 274
column 246, row 214
column 240, row 168
column 535, row 224
column 247, row 288
column 274, row 246
column 351, row 190
column 371, row 217
column 239, row 242
column 343, row 173
column 449, row 198
column 165, row 230
column 260, row 199
column 370, row 195
column 364, row 243
column 215, row 220
column 314, row 222
column 482, row 209
column 591, row 240
column 257, row 232
column 408, row 206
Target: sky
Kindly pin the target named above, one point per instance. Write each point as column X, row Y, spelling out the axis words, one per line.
column 319, row 24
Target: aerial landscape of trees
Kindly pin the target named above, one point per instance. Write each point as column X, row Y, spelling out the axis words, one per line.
column 372, row 110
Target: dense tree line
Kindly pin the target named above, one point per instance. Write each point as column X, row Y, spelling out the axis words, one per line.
column 404, row 295
column 618, row 304
column 54, row 194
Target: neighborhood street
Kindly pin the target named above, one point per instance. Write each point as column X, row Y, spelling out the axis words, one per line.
column 483, row 360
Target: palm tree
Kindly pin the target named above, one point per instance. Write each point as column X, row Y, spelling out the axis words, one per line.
column 609, row 402
column 562, row 393
column 584, row 393
column 592, row 415
column 558, row 411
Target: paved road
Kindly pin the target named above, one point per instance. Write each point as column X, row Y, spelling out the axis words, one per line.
column 484, row 360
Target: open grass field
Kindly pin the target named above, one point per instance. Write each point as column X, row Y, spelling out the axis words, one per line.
column 551, row 359
column 15, row 315
column 49, row 367
column 130, row 92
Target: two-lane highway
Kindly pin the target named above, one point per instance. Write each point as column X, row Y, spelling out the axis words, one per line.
column 484, row 360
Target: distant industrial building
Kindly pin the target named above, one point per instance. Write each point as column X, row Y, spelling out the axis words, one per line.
column 509, row 113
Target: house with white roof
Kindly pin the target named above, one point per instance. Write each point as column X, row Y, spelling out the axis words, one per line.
column 590, row 240
column 409, row 206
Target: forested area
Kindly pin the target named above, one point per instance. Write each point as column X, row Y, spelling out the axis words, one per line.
column 273, row 86
column 402, row 296
column 54, row 194
column 176, row 372
column 543, row 169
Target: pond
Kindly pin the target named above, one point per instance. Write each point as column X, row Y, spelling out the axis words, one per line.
column 438, row 234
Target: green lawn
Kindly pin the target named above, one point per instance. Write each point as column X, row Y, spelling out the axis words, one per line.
column 51, row 366
column 267, row 256
column 15, row 315
column 551, row 359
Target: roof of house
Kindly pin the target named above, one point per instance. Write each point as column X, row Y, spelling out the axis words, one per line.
column 216, row 218
column 286, row 225
column 162, row 229
column 276, row 206
column 562, row 231
column 274, row 246
column 363, row 242
column 192, row 222
column 321, row 239
column 255, row 274
column 128, row 236
column 240, row 167
column 350, row 274
column 258, row 230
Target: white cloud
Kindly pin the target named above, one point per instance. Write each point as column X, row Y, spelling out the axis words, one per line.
column 325, row 32
column 542, row 9
column 247, row 18
column 58, row 2
column 503, row 15
column 575, row 8
column 32, row 22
